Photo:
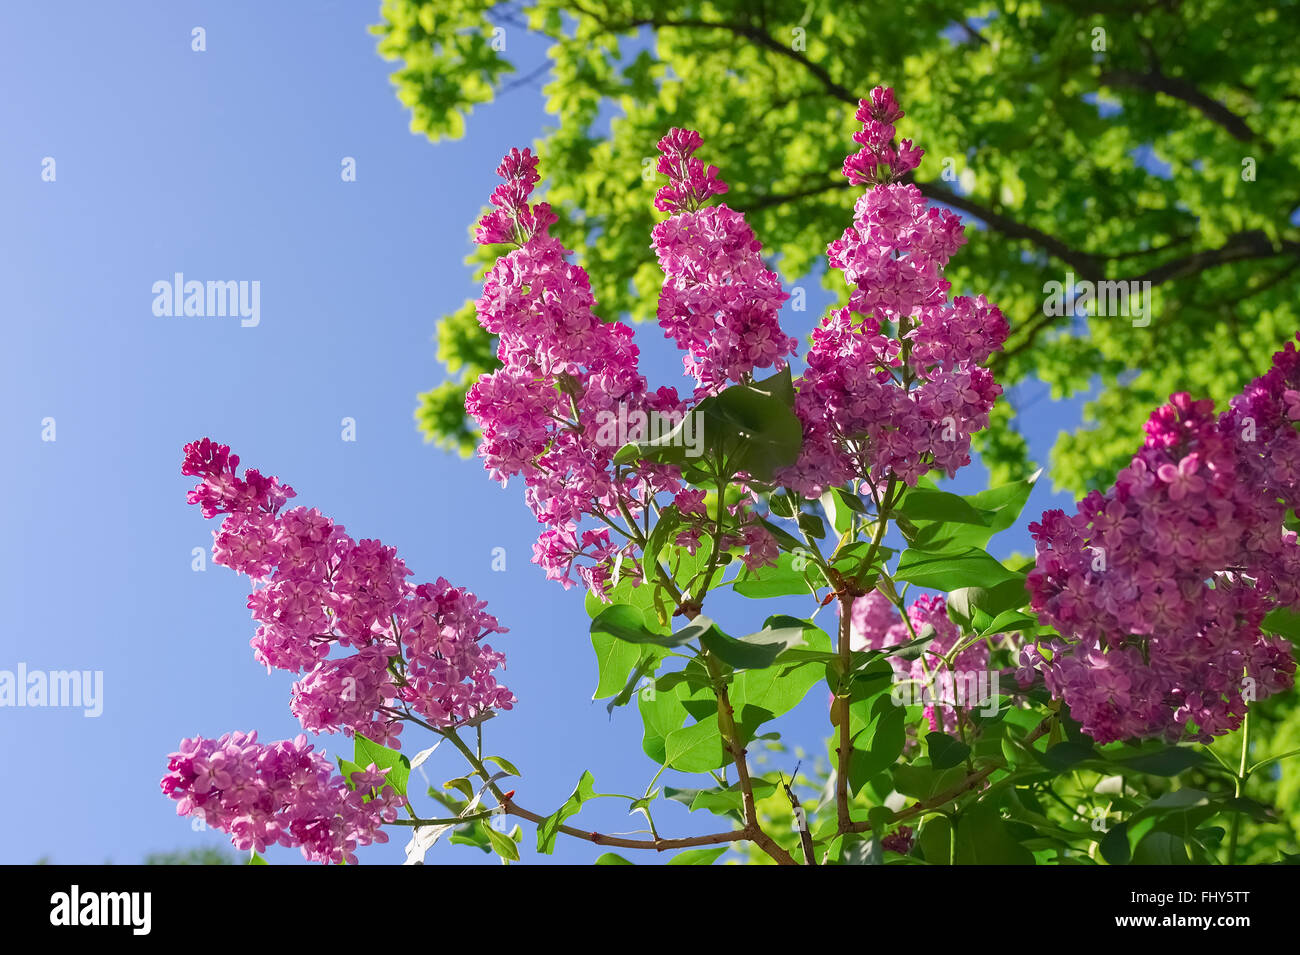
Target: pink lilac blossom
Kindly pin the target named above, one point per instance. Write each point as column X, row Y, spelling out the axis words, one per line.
column 876, row 624
column 1159, row 585
column 894, row 385
column 315, row 589
column 719, row 302
column 280, row 793
column 565, row 376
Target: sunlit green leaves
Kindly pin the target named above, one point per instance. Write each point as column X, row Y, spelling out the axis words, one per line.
column 972, row 567
column 697, row 748
column 549, row 827
column 628, row 623
column 792, row 574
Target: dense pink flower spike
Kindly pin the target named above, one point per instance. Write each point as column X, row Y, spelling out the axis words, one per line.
column 568, row 378
column 316, row 589
column 279, row 793
column 719, row 302
column 894, row 384
column 1159, row 585
column 877, row 624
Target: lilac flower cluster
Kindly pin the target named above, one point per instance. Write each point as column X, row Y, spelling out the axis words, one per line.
column 565, row 373
column 876, row 624
column 418, row 647
column 564, row 370
column 894, row 384
column 416, row 651
column 1159, row 585
column 280, row 793
column 719, row 302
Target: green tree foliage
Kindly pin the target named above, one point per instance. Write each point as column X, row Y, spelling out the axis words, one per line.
column 1035, row 117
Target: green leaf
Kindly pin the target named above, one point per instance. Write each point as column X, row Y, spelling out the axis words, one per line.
column 812, row 525
column 753, row 652
column 921, row 504
column 1169, row 761
column 697, row 856
column 729, row 800
column 612, row 858
column 475, row 834
column 983, row 839
column 256, row 859
column 503, row 845
column 936, row 840
column 1063, row 755
column 1114, row 845
column 661, row 713
column 399, row 767
column 969, row 568
column 992, row 609
column 549, row 827
column 460, row 784
column 760, row 695
column 780, row 580
column 879, row 745
column 925, row 782
column 669, row 444
column 750, row 428
column 696, row 748
column 783, row 504
column 630, row 590
column 945, row 751
column 627, row 623
column 647, row 664
column 1160, row 848
column 784, row 539
column 1002, row 505
column 504, row 763
column 615, row 659
column 937, row 521
column 1010, row 621
column 1283, row 622
column 840, row 506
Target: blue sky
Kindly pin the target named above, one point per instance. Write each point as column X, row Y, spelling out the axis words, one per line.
column 225, row 165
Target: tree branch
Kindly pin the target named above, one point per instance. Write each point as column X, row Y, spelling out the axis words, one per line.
column 1154, row 81
column 659, row 845
column 1244, row 246
column 1085, row 263
column 730, row 735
